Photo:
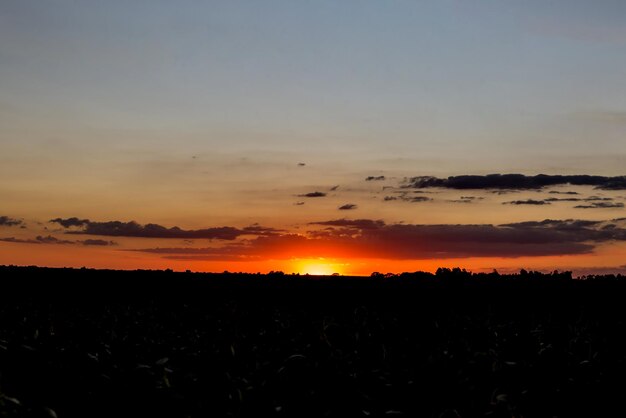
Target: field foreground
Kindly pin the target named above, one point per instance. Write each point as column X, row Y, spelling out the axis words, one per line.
column 87, row 343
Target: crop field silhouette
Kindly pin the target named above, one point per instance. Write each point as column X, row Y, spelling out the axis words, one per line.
column 95, row 343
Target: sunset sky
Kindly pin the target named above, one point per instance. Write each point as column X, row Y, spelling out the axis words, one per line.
column 313, row 136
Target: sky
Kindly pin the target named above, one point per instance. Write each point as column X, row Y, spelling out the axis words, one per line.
column 297, row 135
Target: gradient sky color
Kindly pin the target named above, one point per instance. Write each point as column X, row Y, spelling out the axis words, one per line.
column 197, row 114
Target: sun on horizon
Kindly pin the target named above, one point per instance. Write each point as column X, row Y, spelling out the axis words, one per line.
column 318, row 267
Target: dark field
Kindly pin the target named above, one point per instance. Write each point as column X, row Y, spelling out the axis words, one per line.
column 84, row 343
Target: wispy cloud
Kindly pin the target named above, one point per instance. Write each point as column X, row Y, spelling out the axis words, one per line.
column 406, row 197
column 49, row 239
column 527, row 202
column 466, row 199
column 7, row 221
column 601, row 205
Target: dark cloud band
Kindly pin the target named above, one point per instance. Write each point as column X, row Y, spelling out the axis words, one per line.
column 366, row 238
column 134, row 229
column 516, row 181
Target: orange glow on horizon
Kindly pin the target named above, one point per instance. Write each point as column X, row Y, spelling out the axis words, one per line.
column 609, row 255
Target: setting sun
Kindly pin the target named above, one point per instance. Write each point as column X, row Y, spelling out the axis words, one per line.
column 318, row 267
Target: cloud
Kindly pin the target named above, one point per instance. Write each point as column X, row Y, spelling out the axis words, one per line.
column 363, row 224
column 516, row 181
column 416, row 199
column 406, row 198
column 256, row 229
column 97, row 242
column 375, row 178
column 19, row 241
column 69, row 222
column 348, row 206
column 52, row 240
column 560, row 192
column 564, row 199
column 313, row 194
column 502, row 192
column 56, row 241
column 133, row 229
column 578, row 199
column 597, row 199
column 527, row 202
column 38, row 240
column 6, row 221
column 555, row 224
column 600, row 205
column 367, row 238
column 466, row 199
